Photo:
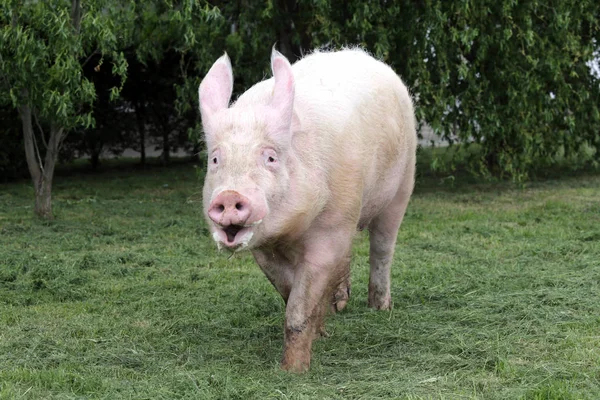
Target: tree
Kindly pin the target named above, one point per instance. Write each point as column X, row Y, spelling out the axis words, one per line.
column 43, row 48
column 151, row 92
column 171, row 43
column 114, row 120
column 510, row 77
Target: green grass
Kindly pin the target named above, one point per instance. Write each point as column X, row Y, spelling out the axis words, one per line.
column 496, row 296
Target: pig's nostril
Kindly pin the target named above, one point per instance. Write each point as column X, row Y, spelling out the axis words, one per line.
column 220, row 208
column 239, row 206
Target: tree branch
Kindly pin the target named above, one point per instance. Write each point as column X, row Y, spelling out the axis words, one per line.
column 32, row 163
column 37, row 152
column 97, row 51
column 41, row 129
column 53, row 146
column 63, row 136
column 76, row 15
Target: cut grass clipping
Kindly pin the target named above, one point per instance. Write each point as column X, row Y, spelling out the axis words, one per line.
column 124, row 295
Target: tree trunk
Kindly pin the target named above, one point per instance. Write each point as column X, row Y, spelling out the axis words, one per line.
column 41, row 173
column 166, row 155
column 95, row 159
column 141, row 124
column 43, row 197
column 32, row 157
column 143, row 146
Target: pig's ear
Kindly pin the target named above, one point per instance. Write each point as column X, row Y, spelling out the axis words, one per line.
column 282, row 101
column 215, row 90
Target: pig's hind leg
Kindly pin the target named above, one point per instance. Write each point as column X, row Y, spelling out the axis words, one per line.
column 383, row 231
column 342, row 293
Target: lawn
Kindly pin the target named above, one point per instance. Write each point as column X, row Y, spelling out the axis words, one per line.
column 496, row 294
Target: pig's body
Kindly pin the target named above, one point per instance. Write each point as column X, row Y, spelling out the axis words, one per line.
column 345, row 158
column 357, row 130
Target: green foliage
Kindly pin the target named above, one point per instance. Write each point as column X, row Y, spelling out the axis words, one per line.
column 41, row 55
column 125, row 295
column 511, row 76
column 515, row 80
column 169, row 40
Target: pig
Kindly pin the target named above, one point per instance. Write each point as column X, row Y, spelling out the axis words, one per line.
column 300, row 162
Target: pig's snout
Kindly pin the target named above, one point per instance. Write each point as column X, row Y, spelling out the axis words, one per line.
column 231, row 208
column 235, row 217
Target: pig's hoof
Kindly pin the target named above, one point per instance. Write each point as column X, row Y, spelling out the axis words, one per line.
column 341, row 297
column 297, row 366
column 380, row 303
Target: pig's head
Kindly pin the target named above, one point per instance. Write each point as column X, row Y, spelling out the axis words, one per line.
column 247, row 175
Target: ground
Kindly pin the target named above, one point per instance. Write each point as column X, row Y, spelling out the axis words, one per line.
column 495, row 287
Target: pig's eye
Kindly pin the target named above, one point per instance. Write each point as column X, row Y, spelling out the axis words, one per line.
column 214, row 159
column 269, row 157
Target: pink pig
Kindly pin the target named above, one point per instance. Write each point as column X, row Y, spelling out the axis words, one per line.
column 296, row 165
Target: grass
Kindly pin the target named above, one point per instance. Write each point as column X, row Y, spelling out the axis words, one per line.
column 496, row 296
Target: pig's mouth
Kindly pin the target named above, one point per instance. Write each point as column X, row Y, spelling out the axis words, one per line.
column 231, row 231
column 234, row 237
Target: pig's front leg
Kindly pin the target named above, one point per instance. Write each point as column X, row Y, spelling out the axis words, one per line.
column 278, row 267
column 316, row 277
column 304, row 316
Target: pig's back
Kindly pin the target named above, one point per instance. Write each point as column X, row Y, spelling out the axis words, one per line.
column 334, row 85
column 345, row 95
column 363, row 112
column 356, row 120
column 339, row 84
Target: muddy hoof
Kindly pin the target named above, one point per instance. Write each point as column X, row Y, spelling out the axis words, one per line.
column 380, row 303
column 341, row 296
